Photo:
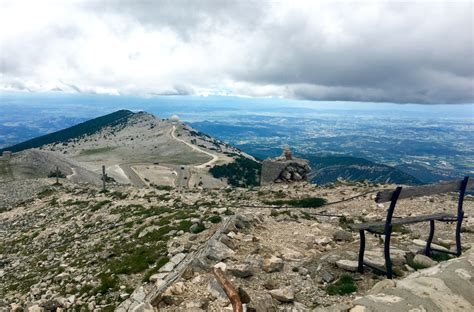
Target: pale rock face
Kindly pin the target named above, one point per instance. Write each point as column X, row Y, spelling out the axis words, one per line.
column 424, row 261
column 218, row 251
column 273, row 264
column 143, row 307
column 380, row 286
column 241, row 270
column 347, row 265
column 286, row 294
column 292, row 255
column 215, row 290
column 342, row 236
column 221, row 265
column 168, row 267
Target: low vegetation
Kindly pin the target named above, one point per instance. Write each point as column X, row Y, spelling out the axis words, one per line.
column 343, row 286
column 302, row 202
column 243, row 172
column 83, row 129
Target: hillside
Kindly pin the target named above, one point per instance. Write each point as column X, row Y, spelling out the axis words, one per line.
column 136, row 148
column 80, row 130
column 328, row 168
column 75, row 248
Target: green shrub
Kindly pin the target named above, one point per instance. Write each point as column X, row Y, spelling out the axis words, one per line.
column 198, row 229
column 215, row 219
column 303, row 202
column 161, row 262
column 184, row 225
column 440, row 256
column 100, row 204
column 243, row 172
column 163, row 187
column 139, row 260
column 107, row 283
column 118, row 195
column 415, row 265
column 45, row 193
column 343, row 286
column 52, row 174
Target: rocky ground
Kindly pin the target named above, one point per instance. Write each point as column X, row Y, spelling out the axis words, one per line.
column 74, row 247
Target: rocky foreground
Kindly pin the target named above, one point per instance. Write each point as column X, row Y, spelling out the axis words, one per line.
column 73, row 247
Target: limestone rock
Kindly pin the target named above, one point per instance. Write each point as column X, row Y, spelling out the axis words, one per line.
column 339, row 307
column 218, row 251
column 168, row 267
column 424, row 261
column 263, row 302
column 241, row 270
column 347, row 265
column 148, row 230
column 216, row 290
column 342, row 236
column 286, row 294
column 380, row 286
column 277, row 171
column 178, row 258
column 273, row 264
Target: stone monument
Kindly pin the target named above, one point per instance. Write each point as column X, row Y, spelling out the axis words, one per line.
column 284, row 169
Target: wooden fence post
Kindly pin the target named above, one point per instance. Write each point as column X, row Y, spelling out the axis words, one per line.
column 104, row 177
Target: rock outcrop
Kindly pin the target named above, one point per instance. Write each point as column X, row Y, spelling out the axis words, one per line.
column 284, row 169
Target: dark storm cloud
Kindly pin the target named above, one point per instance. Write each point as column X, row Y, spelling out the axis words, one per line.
column 185, row 17
column 379, row 51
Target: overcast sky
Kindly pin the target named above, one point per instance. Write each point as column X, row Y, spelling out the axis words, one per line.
column 375, row 51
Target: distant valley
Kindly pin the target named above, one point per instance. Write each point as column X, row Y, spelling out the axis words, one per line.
column 415, row 145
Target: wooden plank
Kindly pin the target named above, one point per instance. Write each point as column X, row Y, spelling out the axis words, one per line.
column 400, row 221
column 154, row 296
column 424, row 190
column 229, row 290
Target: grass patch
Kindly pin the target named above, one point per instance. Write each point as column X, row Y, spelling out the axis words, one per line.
column 118, row 195
column 107, row 283
column 440, row 256
column 161, row 262
column 344, row 222
column 94, row 151
column 184, row 225
column 100, row 204
column 78, row 203
column 86, row 289
column 416, row 266
column 138, row 261
column 45, row 193
column 162, row 187
column 343, row 286
column 302, row 202
column 215, row 219
column 198, row 229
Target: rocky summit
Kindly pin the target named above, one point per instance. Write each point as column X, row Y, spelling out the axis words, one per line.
column 165, row 234
column 75, row 247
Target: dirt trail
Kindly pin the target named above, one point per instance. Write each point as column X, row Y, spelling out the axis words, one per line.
column 204, row 165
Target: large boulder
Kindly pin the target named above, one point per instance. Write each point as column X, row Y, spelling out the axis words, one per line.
column 284, row 171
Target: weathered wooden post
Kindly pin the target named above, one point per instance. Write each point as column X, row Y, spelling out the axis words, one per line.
column 57, row 175
column 104, row 177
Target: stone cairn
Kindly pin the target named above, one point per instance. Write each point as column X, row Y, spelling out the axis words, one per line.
column 284, row 169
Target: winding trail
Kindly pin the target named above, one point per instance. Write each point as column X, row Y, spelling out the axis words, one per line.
column 204, row 165
column 70, row 176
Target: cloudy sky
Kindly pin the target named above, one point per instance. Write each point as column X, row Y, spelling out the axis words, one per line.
column 375, row 51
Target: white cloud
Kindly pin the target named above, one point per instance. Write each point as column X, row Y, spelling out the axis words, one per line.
column 419, row 51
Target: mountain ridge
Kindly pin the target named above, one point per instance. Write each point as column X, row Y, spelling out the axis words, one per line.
column 85, row 128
